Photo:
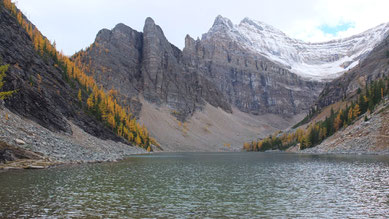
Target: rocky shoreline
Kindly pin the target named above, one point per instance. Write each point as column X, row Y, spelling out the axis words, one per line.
column 49, row 148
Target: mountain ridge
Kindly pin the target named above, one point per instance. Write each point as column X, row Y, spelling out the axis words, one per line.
column 321, row 61
column 150, row 72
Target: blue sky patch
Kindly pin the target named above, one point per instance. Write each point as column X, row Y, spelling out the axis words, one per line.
column 333, row 30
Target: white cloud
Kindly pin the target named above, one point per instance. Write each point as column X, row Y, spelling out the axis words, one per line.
column 74, row 23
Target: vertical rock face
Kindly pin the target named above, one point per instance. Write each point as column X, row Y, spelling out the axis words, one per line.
column 122, row 52
column 161, row 71
column 214, row 70
column 251, row 82
column 147, row 64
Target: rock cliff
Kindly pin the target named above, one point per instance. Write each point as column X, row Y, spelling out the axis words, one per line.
column 250, row 81
column 214, row 70
column 146, row 63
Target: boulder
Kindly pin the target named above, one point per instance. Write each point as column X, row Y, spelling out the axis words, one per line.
column 20, row 141
column 7, row 155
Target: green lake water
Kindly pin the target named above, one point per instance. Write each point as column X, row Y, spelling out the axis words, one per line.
column 204, row 185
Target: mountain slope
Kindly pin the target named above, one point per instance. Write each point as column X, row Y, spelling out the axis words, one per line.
column 375, row 65
column 42, row 95
column 46, row 115
column 315, row 61
column 361, row 85
column 361, row 137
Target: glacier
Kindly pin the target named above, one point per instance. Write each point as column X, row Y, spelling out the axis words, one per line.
column 322, row 61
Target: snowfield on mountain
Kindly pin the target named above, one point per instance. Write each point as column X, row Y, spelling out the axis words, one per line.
column 315, row 61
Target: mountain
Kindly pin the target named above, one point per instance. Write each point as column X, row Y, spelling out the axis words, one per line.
column 315, row 61
column 374, row 66
column 351, row 114
column 146, row 63
column 237, row 82
column 249, row 71
column 252, row 82
column 210, row 76
column 48, row 112
column 367, row 85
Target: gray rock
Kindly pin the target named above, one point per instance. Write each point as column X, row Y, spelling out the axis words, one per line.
column 7, row 155
column 35, row 167
column 20, row 142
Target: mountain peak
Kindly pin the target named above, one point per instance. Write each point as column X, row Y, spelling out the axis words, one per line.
column 121, row 26
column 149, row 22
column 257, row 24
column 221, row 21
column 261, row 26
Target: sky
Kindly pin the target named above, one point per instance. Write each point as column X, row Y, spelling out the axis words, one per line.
column 73, row 24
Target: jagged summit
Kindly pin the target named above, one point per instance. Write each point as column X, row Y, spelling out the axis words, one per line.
column 260, row 26
column 315, row 61
column 221, row 21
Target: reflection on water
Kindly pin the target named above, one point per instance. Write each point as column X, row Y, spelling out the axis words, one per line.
column 244, row 185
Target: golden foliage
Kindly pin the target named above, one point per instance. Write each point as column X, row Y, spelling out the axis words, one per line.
column 79, row 95
column 356, row 111
column 105, row 104
column 338, row 121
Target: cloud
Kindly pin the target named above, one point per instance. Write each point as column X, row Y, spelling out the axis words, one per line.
column 361, row 14
column 74, row 24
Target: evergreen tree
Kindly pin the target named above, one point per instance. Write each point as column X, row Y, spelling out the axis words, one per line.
column 4, row 94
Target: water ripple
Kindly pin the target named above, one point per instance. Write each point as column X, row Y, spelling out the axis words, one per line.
column 198, row 185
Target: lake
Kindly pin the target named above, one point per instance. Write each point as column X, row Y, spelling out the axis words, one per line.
column 198, row 185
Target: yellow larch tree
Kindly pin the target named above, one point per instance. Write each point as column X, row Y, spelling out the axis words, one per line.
column 338, row 121
column 79, row 95
column 356, row 111
column 350, row 114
